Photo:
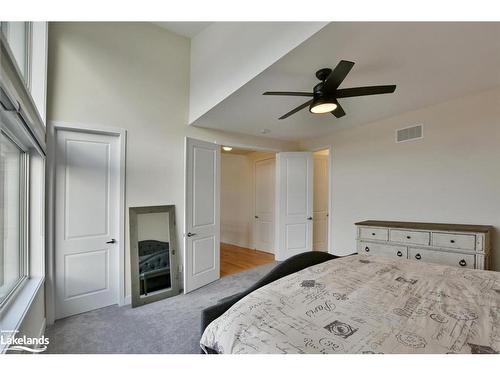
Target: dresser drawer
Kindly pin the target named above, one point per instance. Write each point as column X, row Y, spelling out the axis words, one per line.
column 442, row 257
column 410, row 237
column 379, row 234
column 372, row 248
column 454, row 241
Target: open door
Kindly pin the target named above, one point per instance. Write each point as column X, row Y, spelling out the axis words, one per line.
column 294, row 187
column 202, row 214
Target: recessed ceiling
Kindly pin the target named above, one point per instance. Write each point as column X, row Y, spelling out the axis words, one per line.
column 187, row 29
column 429, row 62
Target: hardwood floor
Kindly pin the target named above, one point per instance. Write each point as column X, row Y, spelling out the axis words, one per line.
column 235, row 259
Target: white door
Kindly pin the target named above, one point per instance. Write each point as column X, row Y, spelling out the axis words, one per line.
column 265, row 175
column 295, row 203
column 202, row 214
column 87, row 209
column 320, row 206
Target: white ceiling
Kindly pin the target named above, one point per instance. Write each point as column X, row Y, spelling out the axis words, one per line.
column 429, row 62
column 187, row 29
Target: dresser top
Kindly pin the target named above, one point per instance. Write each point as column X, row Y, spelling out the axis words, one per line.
column 428, row 226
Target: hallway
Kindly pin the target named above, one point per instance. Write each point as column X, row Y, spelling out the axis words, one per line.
column 234, row 259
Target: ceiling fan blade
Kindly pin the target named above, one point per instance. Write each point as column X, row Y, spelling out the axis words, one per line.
column 337, row 75
column 339, row 111
column 302, row 106
column 362, row 91
column 288, row 93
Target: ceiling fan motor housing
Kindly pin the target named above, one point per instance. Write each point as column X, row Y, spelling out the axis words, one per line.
column 323, row 74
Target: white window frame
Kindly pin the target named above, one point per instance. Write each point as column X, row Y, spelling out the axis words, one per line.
column 6, row 29
column 21, row 119
column 24, row 211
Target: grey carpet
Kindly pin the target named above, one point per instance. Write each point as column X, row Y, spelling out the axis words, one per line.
column 168, row 326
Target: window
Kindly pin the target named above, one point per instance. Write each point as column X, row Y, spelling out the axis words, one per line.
column 13, row 254
column 22, row 172
column 27, row 42
column 17, row 34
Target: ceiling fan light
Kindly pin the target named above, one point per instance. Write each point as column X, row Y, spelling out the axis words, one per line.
column 322, row 107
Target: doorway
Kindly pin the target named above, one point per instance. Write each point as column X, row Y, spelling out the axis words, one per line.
column 278, row 227
column 247, row 209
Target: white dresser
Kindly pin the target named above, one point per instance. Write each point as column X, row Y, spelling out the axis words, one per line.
column 466, row 246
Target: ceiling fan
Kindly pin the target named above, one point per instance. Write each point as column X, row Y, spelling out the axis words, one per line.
column 326, row 93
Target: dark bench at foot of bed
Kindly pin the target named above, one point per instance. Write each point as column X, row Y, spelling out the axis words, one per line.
column 287, row 267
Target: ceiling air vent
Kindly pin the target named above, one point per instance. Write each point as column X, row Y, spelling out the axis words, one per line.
column 409, row 134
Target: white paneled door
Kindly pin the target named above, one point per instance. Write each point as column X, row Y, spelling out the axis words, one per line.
column 295, row 203
column 320, row 205
column 202, row 214
column 87, row 209
column 265, row 175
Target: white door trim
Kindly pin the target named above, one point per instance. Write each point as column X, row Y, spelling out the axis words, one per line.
column 52, row 128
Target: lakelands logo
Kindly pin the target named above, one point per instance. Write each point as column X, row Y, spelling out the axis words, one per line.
column 23, row 343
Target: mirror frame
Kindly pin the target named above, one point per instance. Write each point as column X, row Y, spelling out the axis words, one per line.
column 137, row 300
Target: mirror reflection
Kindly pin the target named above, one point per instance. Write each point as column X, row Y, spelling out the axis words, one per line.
column 154, row 256
column 153, row 253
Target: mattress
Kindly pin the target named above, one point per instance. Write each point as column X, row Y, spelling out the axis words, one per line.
column 365, row 304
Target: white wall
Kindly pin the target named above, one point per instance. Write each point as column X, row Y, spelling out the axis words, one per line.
column 236, row 209
column 133, row 76
column 226, row 55
column 238, row 197
column 452, row 175
column 153, row 226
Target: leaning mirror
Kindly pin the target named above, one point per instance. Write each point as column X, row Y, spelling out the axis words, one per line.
column 153, row 254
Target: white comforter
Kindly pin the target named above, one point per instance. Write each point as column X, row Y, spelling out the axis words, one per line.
column 365, row 304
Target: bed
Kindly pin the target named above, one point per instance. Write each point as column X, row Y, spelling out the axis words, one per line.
column 360, row 304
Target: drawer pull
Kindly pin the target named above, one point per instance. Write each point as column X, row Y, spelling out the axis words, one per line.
column 463, row 263
column 418, row 256
column 452, row 241
column 408, row 237
column 399, row 254
column 367, row 249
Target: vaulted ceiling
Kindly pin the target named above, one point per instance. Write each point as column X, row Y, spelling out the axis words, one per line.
column 429, row 62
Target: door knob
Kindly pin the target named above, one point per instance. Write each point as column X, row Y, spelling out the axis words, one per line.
column 256, row 217
column 309, row 218
column 191, row 234
column 112, row 241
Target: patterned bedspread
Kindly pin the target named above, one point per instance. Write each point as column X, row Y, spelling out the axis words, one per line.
column 366, row 304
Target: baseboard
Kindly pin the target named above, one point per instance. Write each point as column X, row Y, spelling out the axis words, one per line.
column 238, row 243
column 246, row 246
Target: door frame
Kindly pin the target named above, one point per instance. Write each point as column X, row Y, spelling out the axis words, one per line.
column 52, row 128
column 330, row 195
column 220, row 144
